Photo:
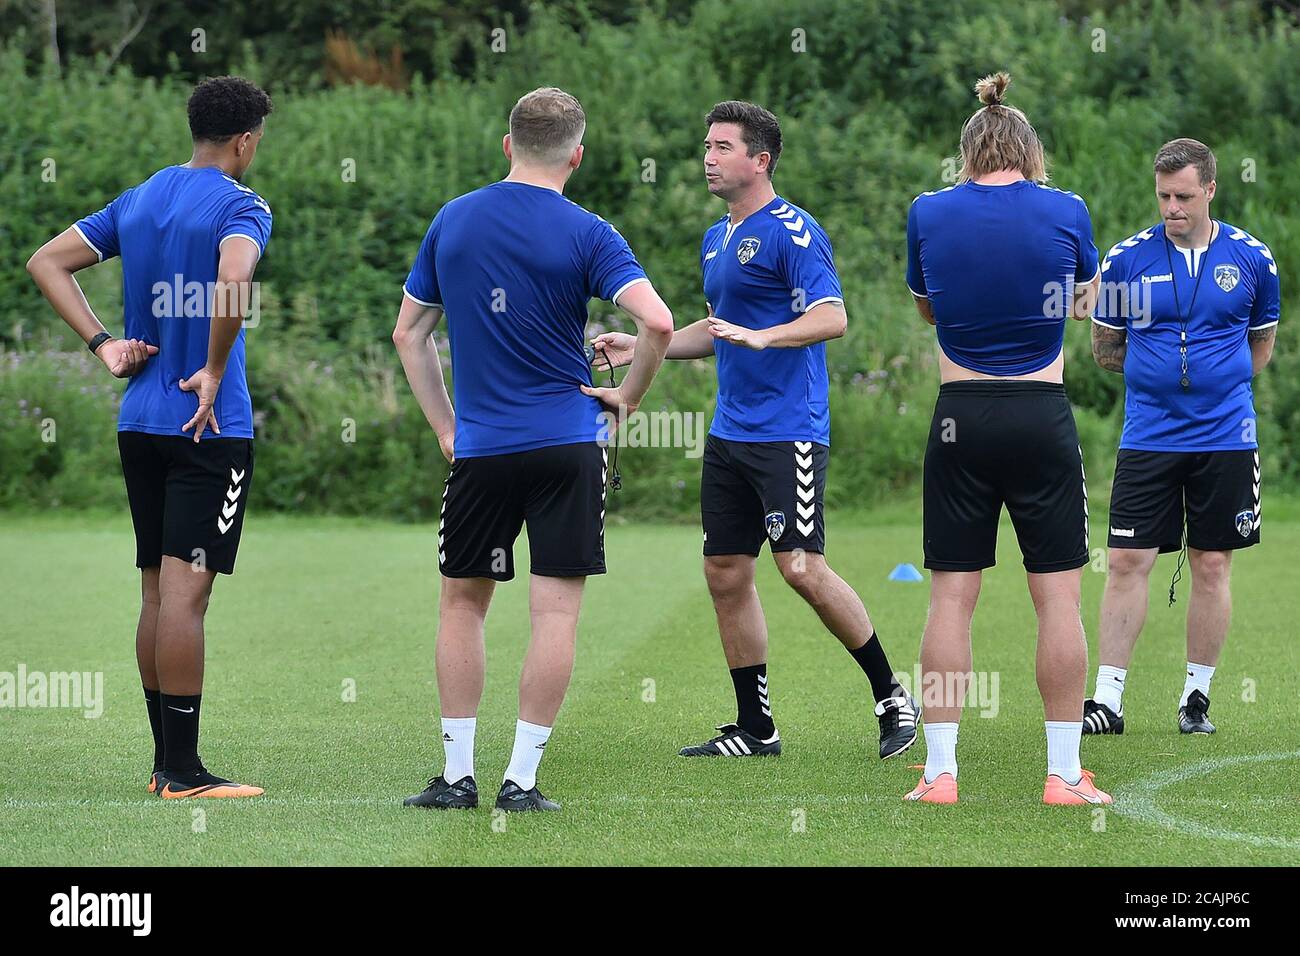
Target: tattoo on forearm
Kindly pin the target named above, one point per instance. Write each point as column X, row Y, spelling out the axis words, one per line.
column 1109, row 346
column 1261, row 335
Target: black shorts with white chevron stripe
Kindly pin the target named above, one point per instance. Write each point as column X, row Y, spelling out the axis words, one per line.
column 187, row 498
column 558, row 491
column 756, row 491
column 1011, row 442
column 1215, row 492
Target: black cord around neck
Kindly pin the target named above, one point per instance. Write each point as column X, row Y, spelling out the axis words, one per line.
column 615, row 479
column 1183, row 380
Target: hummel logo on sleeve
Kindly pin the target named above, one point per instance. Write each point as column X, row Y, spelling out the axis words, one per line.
column 1119, row 247
column 1263, row 250
column 791, row 219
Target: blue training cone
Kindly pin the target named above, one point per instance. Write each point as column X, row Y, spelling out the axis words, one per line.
column 906, row 572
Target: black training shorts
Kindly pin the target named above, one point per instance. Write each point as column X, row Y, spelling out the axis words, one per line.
column 187, row 498
column 1004, row 442
column 558, row 491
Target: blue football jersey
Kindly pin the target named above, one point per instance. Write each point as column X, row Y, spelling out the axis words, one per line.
column 513, row 266
column 1150, row 288
column 999, row 265
column 168, row 231
column 766, row 270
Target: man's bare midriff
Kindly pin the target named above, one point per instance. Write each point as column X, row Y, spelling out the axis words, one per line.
column 950, row 371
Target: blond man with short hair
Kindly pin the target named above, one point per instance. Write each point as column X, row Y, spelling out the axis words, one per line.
column 513, row 266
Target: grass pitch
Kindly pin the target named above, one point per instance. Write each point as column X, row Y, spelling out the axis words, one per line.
column 319, row 607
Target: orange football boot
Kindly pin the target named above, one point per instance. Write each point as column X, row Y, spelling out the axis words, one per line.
column 942, row 789
column 1059, row 793
column 209, row 787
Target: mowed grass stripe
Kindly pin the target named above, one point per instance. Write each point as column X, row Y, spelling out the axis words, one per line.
column 320, row 601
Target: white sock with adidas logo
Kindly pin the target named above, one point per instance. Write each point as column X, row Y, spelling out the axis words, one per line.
column 458, row 745
column 530, row 744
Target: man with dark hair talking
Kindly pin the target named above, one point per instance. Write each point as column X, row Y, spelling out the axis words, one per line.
column 774, row 300
column 185, row 432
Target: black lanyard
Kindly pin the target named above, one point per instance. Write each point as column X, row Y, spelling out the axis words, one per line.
column 615, row 479
column 1184, row 381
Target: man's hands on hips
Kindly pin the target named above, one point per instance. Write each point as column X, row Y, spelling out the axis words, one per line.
column 612, row 401
column 447, row 442
column 125, row 357
column 205, row 383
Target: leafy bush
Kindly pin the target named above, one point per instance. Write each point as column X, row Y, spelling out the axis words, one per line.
column 870, row 113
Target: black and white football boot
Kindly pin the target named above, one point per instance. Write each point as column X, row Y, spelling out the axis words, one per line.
column 1100, row 719
column 1192, row 717
column 516, row 799
column 734, row 742
column 898, row 720
column 441, row 795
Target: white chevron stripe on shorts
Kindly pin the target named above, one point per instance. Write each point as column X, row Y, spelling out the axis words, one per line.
column 805, row 488
column 1255, row 488
column 442, row 512
column 1084, row 477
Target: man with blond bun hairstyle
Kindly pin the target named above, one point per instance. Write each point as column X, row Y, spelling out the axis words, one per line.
column 1195, row 321
column 997, row 263
column 513, row 265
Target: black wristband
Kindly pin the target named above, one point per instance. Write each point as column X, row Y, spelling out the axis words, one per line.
column 99, row 340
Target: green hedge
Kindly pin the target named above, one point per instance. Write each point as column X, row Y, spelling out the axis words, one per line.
column 870, row 114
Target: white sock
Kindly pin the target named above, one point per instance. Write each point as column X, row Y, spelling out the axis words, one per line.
column 940, row 750
column 1063, row 749
column 1198, row 678
column 458, row 745
column 530, row 742
column 1110, row 687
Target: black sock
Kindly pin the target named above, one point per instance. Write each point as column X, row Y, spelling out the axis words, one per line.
column 153, row 701
column 753, row 712
column 180, row 720
column 871, row 658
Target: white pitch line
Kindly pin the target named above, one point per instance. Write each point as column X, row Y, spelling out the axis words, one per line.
column 1138, row 801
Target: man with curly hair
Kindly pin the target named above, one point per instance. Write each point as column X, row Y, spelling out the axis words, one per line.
column 189, row 238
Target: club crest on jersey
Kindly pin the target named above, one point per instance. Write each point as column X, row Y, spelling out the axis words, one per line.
column 775, row 524
column 1227, row 277
column 1245, row 523
column 747, row 249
